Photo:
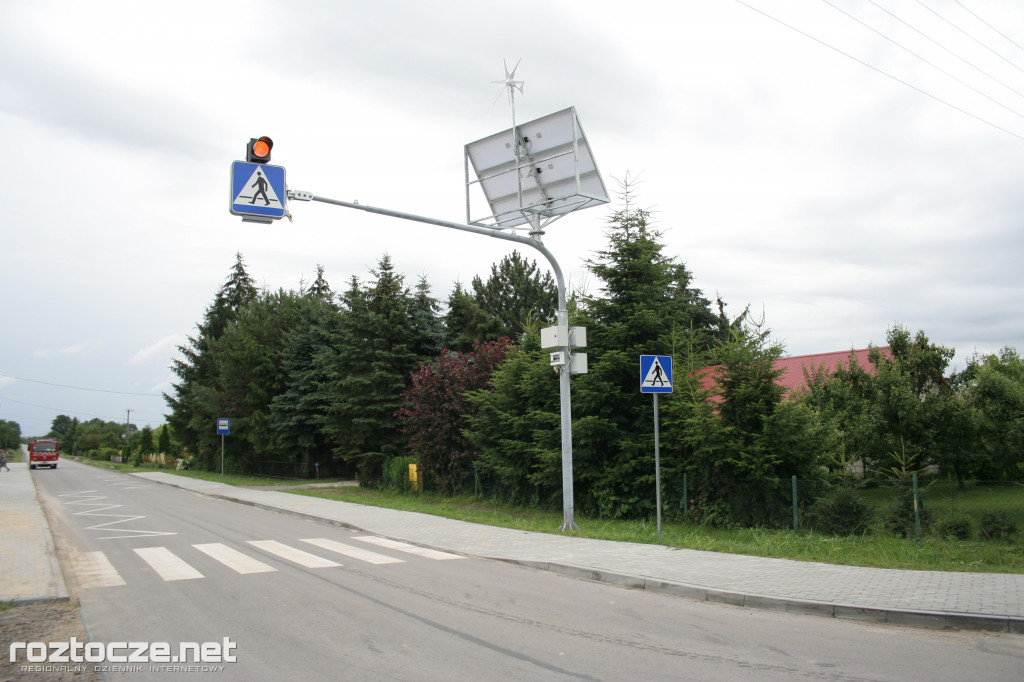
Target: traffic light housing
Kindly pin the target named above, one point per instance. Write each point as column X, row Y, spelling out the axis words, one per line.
column 258, row 150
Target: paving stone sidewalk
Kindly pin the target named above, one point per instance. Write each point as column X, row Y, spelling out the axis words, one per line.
column 29, row 570
column 985, row 601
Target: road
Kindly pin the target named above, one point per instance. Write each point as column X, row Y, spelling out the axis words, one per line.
column 289, row 598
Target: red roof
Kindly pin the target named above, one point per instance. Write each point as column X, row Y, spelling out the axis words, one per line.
column 795, row 369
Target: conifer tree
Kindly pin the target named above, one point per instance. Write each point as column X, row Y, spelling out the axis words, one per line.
column 738, row 439
column 515, row 292
column 427, row 321
column 466, row 322
column 163, row 441
column 300, row 410
column 647, row 305
column 195, row 370
column 250, row 375
column 375, row 355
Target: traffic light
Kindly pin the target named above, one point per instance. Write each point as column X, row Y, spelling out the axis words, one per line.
column 258, row 151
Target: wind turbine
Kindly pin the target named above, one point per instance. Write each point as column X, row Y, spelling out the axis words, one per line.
column 511, row 84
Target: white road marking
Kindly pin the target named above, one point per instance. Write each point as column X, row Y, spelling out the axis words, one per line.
column 166, row 564
column 353, row 552
column 87, row 498
column 233, row 559
column 410, row 549
column 291, row 554
column 93, row 569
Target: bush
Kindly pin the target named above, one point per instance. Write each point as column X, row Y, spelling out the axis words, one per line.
column 396, row 473
column 713, row 515
column 997, row 526
column 840, row 512
column 900, row 519
column 956, row 528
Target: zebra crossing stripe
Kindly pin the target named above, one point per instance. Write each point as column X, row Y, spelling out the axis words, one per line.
column 93, row 569
column 166, row 564
column 404, row 547
column 291, row 554
column 354, row 552
column 233, row 559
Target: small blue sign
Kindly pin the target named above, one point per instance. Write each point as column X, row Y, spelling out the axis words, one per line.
column 223, row 427
column 655, row 373
column 258, row 189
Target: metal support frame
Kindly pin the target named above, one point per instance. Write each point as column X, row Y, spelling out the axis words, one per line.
column 534, row 240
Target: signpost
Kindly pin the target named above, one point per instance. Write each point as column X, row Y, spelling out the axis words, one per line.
column 223, row 429
column 258, row 191
column 655, row 378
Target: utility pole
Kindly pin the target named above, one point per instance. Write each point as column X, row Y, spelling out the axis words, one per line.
column 127, row 436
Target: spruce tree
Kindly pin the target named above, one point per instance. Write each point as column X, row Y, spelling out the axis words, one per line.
column 427, row 321
column 196, row 371
column 466, row 322
column 375, row 353
column 647, row 305
column 250, row 376
column 300, row 410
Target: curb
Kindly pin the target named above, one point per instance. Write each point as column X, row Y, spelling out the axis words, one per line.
column 922, row 619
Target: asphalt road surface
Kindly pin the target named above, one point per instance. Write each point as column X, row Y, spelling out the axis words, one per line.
column 288, row 598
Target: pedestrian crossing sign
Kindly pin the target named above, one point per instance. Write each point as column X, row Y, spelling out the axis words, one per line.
column 655, row 373
column 258, row 191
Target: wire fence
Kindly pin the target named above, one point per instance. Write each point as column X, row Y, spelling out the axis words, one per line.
column 911, row 508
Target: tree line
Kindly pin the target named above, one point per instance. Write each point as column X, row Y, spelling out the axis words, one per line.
column 10, row 434
column 381, row 371
column 98, row 438
column 311, row 376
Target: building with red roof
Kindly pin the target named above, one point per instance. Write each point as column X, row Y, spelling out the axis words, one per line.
column 795, row 370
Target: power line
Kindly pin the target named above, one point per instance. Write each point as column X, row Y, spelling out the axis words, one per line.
column 80, row 388
column 954, row 54
column 878, row 70
column 70, row 413
column 989, row 25
column 969, row 35
column 908, row 50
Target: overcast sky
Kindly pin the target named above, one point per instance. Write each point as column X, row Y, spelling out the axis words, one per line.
column 837, row 178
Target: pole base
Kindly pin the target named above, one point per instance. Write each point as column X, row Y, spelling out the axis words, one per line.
column 568, row 526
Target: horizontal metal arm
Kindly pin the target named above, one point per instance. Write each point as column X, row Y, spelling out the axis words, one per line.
column 529, row 241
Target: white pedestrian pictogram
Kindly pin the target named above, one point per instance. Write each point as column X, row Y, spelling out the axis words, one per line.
column 656, row 375
column 258, row 191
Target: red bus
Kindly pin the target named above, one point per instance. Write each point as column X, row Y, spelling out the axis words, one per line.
column 43, row 453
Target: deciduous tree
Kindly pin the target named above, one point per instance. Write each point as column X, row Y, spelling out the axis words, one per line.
column 435, row 407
